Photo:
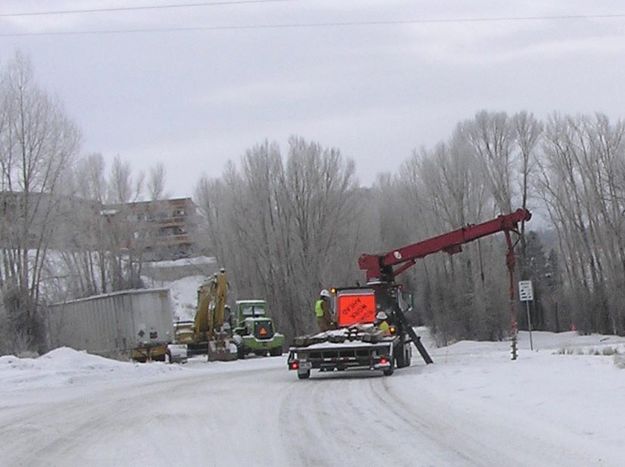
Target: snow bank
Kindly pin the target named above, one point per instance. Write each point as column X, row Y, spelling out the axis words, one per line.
column 184, row 296
column 64, row 366
column 569, row 397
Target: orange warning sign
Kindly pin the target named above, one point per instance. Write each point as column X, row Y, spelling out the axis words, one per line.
column 355, row 309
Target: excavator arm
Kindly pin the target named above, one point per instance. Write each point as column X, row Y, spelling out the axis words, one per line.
column 211, row 302
column 210, row 318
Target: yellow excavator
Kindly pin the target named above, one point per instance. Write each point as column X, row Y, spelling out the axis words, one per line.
column 208, row 333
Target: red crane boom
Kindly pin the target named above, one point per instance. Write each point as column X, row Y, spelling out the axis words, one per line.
column 386, row 266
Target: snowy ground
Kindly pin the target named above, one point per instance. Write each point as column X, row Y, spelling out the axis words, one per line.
column 183, row 291
column 184, row 296
column 560, row 405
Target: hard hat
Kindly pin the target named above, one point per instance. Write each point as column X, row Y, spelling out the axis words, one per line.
column 325, row 293
column 381, row 315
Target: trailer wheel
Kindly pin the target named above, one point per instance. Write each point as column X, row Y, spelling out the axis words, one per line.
column 276, row 352
column 240, row 352
column 303, row 375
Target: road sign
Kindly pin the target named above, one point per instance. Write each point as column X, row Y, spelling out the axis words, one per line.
column 526, row 292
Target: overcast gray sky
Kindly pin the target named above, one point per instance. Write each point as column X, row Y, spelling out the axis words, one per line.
column 195, row 99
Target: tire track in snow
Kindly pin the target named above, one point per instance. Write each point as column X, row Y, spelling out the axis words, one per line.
column 318, row 418
column 490, row 435
column 62, row 433
column 346, row 421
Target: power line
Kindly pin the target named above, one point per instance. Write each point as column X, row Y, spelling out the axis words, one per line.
column 333, row 24
column 136, row 8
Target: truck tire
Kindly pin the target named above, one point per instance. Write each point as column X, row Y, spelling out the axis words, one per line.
column 303, row 375
column 389, row 371
column 240, row 352
column 403, row 355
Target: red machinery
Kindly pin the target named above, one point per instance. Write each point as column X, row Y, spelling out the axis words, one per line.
column 383, row 268
column 353, row 345
column 380, row 267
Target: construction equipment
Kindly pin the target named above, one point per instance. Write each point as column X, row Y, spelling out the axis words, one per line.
column 209, row 332
column 356, row 343
column 253, row 330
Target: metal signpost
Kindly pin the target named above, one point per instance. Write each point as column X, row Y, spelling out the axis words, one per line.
column 526, row 294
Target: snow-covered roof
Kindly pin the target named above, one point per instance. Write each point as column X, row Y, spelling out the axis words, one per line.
column 114, row 294
column 183, row 262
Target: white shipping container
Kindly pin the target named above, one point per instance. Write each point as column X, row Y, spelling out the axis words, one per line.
column 112, row 324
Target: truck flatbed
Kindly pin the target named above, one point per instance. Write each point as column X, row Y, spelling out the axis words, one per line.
column 342, row 349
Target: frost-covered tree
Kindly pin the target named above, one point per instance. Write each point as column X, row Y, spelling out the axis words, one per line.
column 38, row 143
column 284, row 226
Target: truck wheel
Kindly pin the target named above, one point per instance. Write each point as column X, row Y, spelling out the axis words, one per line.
column 276, row 352
column 389, row 371
column 402, row 356
column 240, row 352
column 303, row 375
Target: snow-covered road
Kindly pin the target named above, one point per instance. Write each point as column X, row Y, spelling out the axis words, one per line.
column 473, row 407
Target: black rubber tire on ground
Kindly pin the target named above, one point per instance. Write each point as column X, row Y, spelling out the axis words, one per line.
column 276, row 352
column 240, row 352
column 389, row 371
column 305, row 375
column 402, row 356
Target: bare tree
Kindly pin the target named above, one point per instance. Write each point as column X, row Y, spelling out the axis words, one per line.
column 156, row 182
column 580, row 184
column 282, row 229
column 527, row 131
column 37, row 143
column 122, row 187
column 491, row 136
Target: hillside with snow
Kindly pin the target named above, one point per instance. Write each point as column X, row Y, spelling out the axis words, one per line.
column 182, row 277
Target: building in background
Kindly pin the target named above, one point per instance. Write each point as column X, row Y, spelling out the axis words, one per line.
column 158, row 230
column 149, row 230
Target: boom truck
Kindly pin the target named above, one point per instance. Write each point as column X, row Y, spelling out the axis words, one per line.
column 357, row 343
